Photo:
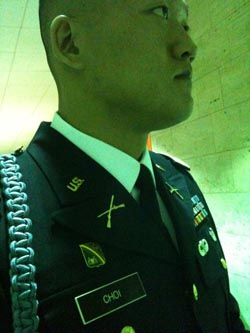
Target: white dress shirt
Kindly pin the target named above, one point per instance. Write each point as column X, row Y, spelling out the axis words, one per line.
column 119, row 164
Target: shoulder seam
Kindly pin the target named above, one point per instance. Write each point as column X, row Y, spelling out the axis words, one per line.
column 178, row 161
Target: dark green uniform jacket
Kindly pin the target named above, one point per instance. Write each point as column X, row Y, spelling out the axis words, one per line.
column 98, row 278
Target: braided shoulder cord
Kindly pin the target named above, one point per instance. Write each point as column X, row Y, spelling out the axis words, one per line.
column 22, row 269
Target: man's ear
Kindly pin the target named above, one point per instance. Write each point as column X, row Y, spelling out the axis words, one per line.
column 62, row 42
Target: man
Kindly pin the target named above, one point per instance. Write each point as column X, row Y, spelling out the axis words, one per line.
column 110, row 255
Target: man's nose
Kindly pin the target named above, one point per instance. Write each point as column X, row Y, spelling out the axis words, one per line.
column 184, row 48
column 191, row 51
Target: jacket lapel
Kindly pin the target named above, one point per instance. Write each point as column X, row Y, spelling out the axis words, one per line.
column 92, row 203
column 174, row 191
column 172, row 185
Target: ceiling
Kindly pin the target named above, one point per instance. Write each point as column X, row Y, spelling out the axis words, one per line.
column 27, row 90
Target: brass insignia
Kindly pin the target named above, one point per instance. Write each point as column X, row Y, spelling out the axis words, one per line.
column 93, row 255
column 173, row 190
column 224, row 263
column 75, row 184
column 203, row 247
column 195, row 292
column 160, row 167
column 109, row 211
column 212, row 234
column 128, row 329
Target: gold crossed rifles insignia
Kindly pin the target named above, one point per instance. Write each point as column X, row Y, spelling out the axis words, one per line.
column 108, row 212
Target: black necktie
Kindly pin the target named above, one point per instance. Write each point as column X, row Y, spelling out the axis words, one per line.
column 148, row 200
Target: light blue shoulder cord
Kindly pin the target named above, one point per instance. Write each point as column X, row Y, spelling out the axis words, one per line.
column 22, row 269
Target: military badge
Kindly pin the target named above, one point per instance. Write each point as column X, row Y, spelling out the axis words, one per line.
column 199, row 210
column 108, row 212
column 212, row 234
column 173, row 190
column 93, row 255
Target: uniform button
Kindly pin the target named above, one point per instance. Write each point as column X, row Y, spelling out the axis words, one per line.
column 212, row 234
column 195, row 292
column 203, row 247
column 128, row 329
column 224, row 263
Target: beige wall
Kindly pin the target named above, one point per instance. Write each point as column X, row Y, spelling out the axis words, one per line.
column 215, row 141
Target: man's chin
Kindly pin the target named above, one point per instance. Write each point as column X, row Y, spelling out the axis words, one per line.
column 174, row 121
column 183, row 116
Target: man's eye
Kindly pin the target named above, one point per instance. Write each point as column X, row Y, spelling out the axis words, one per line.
column 162, row 9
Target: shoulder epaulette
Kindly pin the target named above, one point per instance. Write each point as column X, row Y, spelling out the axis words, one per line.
column 178, row 161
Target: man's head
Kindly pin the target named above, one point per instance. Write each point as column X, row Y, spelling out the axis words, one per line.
column 116, row 60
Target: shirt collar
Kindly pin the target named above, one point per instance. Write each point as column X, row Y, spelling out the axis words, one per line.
column 119, row 164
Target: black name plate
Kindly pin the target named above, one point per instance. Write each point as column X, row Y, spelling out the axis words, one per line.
column 110, row 297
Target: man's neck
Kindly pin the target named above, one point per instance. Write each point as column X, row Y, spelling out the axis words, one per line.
column 131, row 143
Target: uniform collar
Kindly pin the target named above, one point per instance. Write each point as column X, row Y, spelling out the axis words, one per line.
column 119, row 164
column 86, row 192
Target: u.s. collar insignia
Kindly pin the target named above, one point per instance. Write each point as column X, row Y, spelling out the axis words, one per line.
column 75, row 184
column 93, row 254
